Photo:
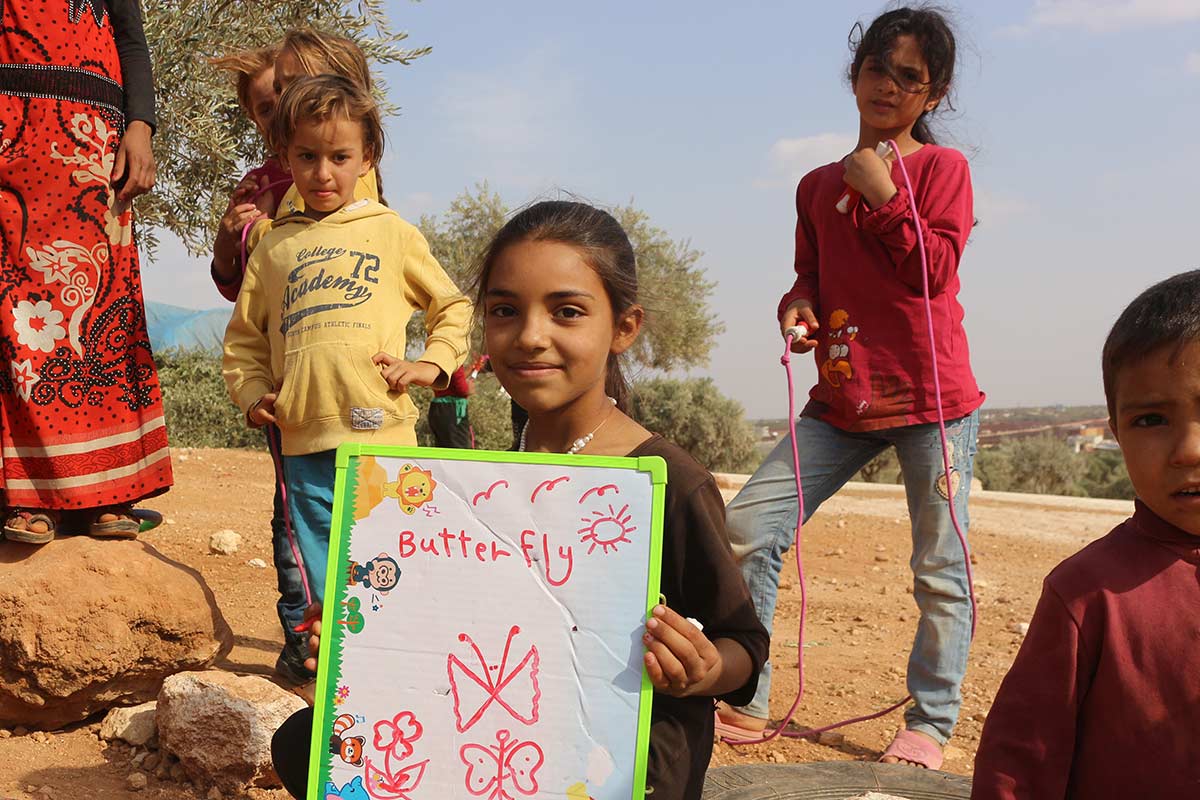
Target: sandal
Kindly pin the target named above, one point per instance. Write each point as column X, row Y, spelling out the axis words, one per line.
column 18, row 525
column 914, row 748
column 125, row 526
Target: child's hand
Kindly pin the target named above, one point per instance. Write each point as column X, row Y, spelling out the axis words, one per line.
column 870, row 175
column 800, row 312
column 263, row 412
column 399, row 373
column 680, row 659
column 244, row 192
column 237, row 217
column 312, row 618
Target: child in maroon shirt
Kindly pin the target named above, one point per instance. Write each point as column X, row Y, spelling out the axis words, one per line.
column 859, row 290
column 1103, row 698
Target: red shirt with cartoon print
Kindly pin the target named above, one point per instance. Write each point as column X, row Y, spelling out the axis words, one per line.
column 862, row 273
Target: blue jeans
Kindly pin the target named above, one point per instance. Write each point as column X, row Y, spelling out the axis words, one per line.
column 762, row 526
column 309, row 481
column 292, row 601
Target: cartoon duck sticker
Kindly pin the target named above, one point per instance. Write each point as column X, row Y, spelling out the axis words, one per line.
column 836, row 368
column 412, row 488
column 348, row 748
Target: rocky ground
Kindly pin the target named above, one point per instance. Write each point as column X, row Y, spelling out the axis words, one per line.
column 860, row 625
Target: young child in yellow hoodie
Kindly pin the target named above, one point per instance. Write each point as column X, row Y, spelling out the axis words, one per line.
column 316, row 342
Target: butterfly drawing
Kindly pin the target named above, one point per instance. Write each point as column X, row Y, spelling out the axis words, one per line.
column 491, row 769
column 516, row 690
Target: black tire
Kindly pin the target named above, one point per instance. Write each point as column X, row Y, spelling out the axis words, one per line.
column 832, row 780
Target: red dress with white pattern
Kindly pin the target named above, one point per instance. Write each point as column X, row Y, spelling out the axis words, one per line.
column 80, row 407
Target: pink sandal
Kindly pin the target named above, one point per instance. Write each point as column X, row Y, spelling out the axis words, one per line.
column 915, row 748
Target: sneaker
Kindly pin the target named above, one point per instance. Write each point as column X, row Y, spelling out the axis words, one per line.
column 290, row 667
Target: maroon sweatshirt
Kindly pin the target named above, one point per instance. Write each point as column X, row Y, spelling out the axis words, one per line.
column 862, row 272
column 1103, row 700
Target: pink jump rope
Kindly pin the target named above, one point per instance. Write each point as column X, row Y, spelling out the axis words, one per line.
column 794, row 333
column 274, row 444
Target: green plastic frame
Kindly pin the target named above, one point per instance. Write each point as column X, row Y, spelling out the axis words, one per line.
column 329, row 662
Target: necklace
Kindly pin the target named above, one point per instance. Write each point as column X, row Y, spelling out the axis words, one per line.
column 579, row 443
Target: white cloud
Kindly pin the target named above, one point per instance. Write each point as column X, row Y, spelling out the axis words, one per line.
column 1192, row 62
column 790, row 159
column 1109, row 15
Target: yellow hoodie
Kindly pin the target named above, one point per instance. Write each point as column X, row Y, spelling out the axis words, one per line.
column 319, row 299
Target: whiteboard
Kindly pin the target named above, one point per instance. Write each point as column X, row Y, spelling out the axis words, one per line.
column 482, row 630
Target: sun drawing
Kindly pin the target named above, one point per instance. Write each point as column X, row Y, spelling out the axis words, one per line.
column 605, row 530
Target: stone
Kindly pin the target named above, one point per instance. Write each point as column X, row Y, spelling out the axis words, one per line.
column 151, row 762
column 257, row 563
column 39, row 737
column 136, row 782
column 134, row 725
column 214, row 794
column 225, row 542
column 177, row 773
column 1021, row 628
column 219, row 725
column 90, row 624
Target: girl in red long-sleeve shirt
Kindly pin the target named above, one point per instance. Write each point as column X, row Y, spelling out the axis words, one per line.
column 858, row 290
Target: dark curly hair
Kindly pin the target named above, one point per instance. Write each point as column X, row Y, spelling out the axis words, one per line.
column 929, row 26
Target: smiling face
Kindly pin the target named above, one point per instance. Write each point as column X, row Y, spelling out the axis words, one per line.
column 549, row 326
column 1157, row 422
column 326, row 158
column 891, row 97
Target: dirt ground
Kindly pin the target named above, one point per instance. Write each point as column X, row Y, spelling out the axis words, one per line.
column 860, row 624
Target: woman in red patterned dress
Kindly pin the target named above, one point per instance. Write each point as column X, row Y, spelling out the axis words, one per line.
column 82, row 420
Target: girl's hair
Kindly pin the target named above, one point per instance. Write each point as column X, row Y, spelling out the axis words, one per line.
column 325, row 97
column 245, row 66
column 320, row 53
column 935, row 38
column 602, row 243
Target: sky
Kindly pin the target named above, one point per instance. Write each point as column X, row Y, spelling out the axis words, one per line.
column 1079, row 118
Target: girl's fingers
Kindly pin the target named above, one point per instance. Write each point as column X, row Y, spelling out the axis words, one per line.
column 674, row 676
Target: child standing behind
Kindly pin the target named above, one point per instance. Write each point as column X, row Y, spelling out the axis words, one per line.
column 303, row 52
column 321, row 315
column 1103, row 698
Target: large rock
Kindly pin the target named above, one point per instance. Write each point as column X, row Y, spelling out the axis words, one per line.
column 88, row 624
column 219, row 725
